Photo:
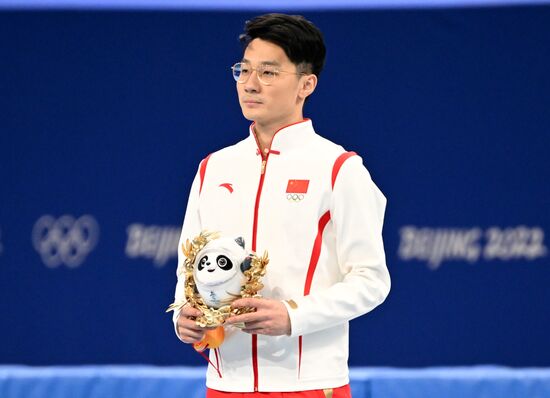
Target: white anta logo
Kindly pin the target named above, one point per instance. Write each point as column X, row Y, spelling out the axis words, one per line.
column 65, row 240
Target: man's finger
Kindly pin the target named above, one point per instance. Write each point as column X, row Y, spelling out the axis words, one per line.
column 252, row 326
column 190, row 336
column 185, row 323
column 190, row 311
column 246, row 318
column 253, row 331
column 191, row 339
column 247, row 302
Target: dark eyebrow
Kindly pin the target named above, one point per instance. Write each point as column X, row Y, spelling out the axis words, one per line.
column 273, row 63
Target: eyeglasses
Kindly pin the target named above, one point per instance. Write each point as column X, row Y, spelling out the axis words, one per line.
column 266, row 73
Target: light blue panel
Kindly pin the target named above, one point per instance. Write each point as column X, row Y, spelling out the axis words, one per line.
column 188, row 382
column 478, row 382
column 101, row 382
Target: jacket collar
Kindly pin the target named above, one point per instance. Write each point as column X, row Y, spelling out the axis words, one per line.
column 287, row 137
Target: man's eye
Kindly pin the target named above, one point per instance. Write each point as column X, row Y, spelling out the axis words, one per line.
column 245, row 71
column 269, row 73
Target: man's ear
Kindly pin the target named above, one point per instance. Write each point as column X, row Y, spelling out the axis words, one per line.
column 308, row 84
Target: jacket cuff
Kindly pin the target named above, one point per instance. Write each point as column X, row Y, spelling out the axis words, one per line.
column 295, row 314
column 175, row 321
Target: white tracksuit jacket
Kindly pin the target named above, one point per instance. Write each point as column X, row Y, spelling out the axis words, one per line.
column 319, row 215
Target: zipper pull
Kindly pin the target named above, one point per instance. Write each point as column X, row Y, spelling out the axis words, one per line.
column 263, row 166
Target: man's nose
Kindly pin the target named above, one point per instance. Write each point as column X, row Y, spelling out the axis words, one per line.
column 252, row 84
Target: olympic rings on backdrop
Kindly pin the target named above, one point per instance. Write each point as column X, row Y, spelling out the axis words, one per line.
column 294, row 197
column 65, row 240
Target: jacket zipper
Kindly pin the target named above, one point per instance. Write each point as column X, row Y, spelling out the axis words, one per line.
column 257, row 204
column 264, row 162
column 254, row 233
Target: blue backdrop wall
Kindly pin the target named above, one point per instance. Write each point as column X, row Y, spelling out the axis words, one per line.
column 104, row 117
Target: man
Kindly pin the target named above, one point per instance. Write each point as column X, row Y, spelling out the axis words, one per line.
column 307, row 201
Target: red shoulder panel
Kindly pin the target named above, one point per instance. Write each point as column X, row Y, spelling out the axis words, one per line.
column 203, row 170
column 338, row 164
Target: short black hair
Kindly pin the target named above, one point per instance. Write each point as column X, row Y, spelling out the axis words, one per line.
column 300, row 39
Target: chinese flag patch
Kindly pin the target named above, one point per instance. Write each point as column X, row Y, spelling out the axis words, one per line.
column 297, row 186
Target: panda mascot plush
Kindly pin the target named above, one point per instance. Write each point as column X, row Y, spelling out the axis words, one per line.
column 219, row 269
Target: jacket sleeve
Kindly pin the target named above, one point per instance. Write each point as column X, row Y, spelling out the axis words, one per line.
column 357, row 215
column 191, row 228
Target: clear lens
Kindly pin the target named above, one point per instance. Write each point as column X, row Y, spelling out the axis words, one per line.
column 237, row 71
column 242, row 71
column 267, row 74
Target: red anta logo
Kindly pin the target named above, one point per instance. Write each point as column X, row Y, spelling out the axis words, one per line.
column 228, row 186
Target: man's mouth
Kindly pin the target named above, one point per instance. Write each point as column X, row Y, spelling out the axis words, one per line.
column 250, row 101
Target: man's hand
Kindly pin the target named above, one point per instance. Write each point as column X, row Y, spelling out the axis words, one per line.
column 188, row 331
column 271, row 317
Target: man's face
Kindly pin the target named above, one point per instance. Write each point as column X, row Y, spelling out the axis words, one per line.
column 279, row 103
